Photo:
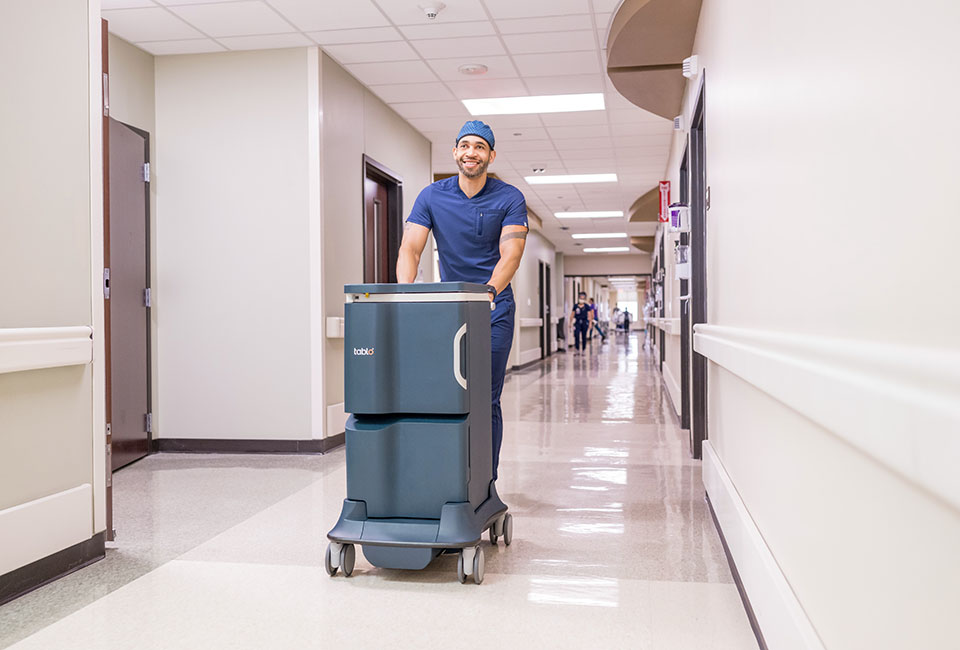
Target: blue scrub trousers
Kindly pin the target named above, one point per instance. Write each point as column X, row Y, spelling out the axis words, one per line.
column 501, row 340
column 580, row 334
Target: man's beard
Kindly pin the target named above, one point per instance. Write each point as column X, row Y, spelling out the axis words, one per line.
column 477, row 172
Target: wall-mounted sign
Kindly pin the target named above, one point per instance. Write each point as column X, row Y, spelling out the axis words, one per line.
column 664, row 201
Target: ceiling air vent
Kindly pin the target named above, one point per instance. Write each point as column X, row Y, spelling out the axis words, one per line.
column 690, row 68
column 678, row 123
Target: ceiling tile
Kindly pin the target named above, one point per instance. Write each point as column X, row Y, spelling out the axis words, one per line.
column 363, row 35
column 265, row 41
column 448, row 30
column 190, row 2
column 574, row 144
column 371, row 52
column 507, row 137
column 409, row 12
column 634, row 115
column 603, row 22
column 234, row 18
column 501, row 9
column 526, row 145
column 448, row 48
column 499, row 67
column 578, row 118
column 572, row 155
column 564, row 85
column 391, row 72
column 441, row 125
column 511, row 121
column 660, row 127
column 433, row 91
column 152, row 24
column 544, row 65
column 584, row 131
column 431, row 109
column 189, row 46
column 551, row 42
column 606, row 5
column 488, row 88
column 547, row 24
column 125, row 4
column 313, row 16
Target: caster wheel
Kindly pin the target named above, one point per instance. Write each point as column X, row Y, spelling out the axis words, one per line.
column 328, row 565
column 461, row 575
column 507, row 529
column 348, row 557
column 494, row 538
column 478, row 566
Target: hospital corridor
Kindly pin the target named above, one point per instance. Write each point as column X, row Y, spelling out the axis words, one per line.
column 522, row 324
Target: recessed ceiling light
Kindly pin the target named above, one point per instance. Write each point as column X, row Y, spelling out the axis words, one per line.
column 571, row 178
column 596, row 214
column 599, row 235
column 609, row 249
column 473, row 69
column 536, row 104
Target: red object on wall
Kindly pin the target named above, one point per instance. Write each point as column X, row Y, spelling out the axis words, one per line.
column 664, row 201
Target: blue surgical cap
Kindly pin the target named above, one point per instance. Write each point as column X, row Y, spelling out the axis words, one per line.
column 477, row 128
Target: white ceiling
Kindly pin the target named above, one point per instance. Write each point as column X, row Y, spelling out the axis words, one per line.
column 531, row 47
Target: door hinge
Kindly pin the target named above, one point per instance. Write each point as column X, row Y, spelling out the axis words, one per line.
column 106, row 284
column 148, row 422
column 146, row 172
column 146, row 297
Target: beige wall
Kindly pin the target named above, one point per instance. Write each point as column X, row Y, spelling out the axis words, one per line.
column 51, row 419
column 526, row 291
column 355, row 122
column 607, row 264
column 233, row 246
column 831, row 417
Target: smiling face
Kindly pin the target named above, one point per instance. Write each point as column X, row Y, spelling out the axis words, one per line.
column 473, row 156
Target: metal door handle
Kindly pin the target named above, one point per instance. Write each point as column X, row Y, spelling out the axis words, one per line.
column 456, row 357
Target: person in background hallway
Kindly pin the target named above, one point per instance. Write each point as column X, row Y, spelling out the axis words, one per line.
column 582, row 317
column 626, row 321
column 596, row 321
column 480, row 226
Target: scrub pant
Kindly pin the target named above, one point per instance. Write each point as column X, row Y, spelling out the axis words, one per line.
column 501, row 340
column 580, row 334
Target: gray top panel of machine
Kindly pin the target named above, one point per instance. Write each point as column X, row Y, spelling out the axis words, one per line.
column 419, row 287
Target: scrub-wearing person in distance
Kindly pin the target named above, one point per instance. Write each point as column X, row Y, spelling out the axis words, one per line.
column 581, row 316
column 480, row 226
column 595, row 327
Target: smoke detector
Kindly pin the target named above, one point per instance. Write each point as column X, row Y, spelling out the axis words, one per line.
column 678, row 123
column 473, row 69
column 690, row 68
column 431, row 10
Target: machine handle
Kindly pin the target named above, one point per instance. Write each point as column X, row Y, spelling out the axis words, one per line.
column 456, row 357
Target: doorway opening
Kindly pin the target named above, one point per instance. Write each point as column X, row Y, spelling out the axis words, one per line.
column 685, row 308
column 699, row 204
column 382, row 221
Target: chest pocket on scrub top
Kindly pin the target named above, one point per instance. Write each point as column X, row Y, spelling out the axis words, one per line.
column 489, row 223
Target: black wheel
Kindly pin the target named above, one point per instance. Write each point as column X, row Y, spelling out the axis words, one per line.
column 461, row 575
column 348, row 557
column 507, row 529
column 494, row 538
column 478, row 563
column 327, row 563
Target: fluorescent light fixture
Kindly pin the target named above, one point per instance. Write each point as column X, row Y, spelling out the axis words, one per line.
column 536, row 104
column 596, row 214
column 599, row 235
column 610, row 249
column 571, row 178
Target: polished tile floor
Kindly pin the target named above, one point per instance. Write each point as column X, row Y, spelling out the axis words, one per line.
column 613, row 543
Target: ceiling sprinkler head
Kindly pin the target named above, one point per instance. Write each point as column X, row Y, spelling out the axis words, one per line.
column 472, row 68
column 431, row 10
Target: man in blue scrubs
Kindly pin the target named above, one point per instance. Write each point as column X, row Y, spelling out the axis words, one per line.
column 480, row 225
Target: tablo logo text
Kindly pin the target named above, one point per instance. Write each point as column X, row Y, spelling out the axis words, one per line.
column 363, row 352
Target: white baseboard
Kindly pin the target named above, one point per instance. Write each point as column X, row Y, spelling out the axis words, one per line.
column 529, row 355
column 35, row 348
column 336, row 420
column 673, row 387
column 898, row 404
column 33, row 530
column 781, row 619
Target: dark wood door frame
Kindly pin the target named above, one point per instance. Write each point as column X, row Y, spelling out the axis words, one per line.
column 698, row 253
column 394, row 208
column 685, row 308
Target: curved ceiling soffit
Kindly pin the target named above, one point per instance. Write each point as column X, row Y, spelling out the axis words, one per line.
column 646, row 46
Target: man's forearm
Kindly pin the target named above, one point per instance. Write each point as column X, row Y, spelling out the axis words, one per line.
column 504, row 271
column 407, row 265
